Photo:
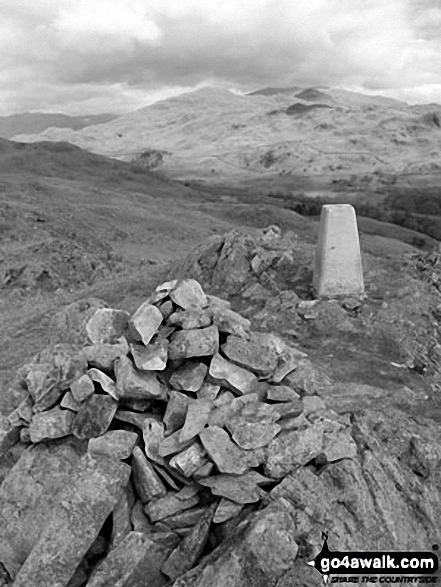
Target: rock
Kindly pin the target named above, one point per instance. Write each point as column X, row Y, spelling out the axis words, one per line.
column 303, row 378
column 287, row 361
column 312, row 403
column 230, row 322
column 241, row 489
column 188, row 294
column 103, row 355
column 79, row 513
column 166, row 308
column 69, row 403
column 189, row 377
column 339, row 445
column 169, row 480
column 208, row 391
column 94, row 416
column 227, row 457
column 281, row 393
column 190, row 319
column 293, row 449
column 135, row 384
column 121, row 517
column 255, row 357
column 153, row 435
column 9, row 435
column 172, row 444
column 136, row 561
column 53, row 424
column 198, row 414
column 200, row 342
column 152, row 357
column 184, row 557
column 172, row 503
column 82, row 388
column 251, row 435
column 190, row 460
column 139, row 520
column 107, row 384
column 204, row 471
column 185, row 519
column 147, row 483
column 133, row 418
column 226, row 510
column 145, row 322
column 176, row 411
column 226, row 373
column 162, row 291
column 290, row 409
column 106, row 325
column 70, row 322
column 116, row 443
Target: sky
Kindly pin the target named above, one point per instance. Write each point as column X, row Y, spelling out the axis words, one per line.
column 91, row 56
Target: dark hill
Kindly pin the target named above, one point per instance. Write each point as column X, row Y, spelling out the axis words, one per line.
column 313, row 95
column 273, row 91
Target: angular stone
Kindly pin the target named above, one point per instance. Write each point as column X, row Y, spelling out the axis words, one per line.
column 69, row 402
column 226, row 510
column 121, row 516
column 204, row 471
column 188, row 294
column 147, row 483
column 24, row 410
column 152, row 357
column 133, row 418
column 176, row 411
column 172, row 503
column 107, row 384
column 49, row 425
column 241, row 489
column 163, row 474
column 185, row 519
column 338, row 270
column 94, row 416
column 82, row 388
column 184, row 557
column 153, row 435
column 198, row 414
column 104, row 355
column 293, row 449
column 9, row 435
column 190, row 460
column 339, row 445
column 289, row 409
column 281, row 393
column 226, row 373
column 303, row 378
column 251, row 435
column 166, row 308
column 162, row 291
column 200, row 342
column 189, row 377
column 294, row 422
column 145, row 322
column 172, row 444
column 135, row 384
column 216, row 302
column 230, row 322
column 227, row 457
column 287, row 361
column 140, row 521
column 208, row 391
column 106, row 325
column 190, row 319
column 312, row 403
column 255, row 357
column 115, row 443
column 79, row 513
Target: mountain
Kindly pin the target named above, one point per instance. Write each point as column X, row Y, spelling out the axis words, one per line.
column 35, row 122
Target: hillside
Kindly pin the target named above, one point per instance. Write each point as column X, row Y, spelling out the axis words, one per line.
column 36, row 122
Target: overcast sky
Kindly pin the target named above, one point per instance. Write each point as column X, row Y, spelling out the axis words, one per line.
column 89, row 56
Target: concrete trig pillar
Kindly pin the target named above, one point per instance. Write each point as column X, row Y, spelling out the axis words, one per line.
column 338, row 270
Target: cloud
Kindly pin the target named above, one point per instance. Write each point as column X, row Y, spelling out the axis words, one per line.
column 69, row 53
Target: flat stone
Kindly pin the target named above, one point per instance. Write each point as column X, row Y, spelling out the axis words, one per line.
column 55, row 423
column 226, row 373
column 251, row 435
column 230, row 322
column 79, row 513
column 147, row 483
column 82, row 388
column 188, row 294
column 106, row 325
column 133, row 418
column 205, row 471
column 289, row 409
column 287, row 361
column 107, row 384
column 9, row 435
column 152, row 357
column 172, row 503
column 162, row 291
column 255, row 357
column 145, row 322
column 226, row 510
column 216, row 302
column 176, row 411
column 163, row 474
column 94, row 416
column 69, row 402
column 281, row 393
column 184, row 557
column 227, row 457
column 24, row 410
column 189, row 377
column 104, row 355
column 166, row 308
column 208, row 391
column 185, row 519
column 200, row 342
column 190, row 460
column 115, row 443
column 139, row 520
column 294, row 422
column 136, row 384
column 153, row 435
column 121, row 516
column 189, row 319
column 293, row 449
column 339, row 445
column 198, row 414
column 172, row 444
column 136, row 561
column 241, row 489
column 312, row 404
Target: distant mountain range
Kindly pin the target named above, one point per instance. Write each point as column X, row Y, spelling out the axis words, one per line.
column 36, row 122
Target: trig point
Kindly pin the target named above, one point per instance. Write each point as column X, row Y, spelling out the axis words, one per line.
column 338, row 269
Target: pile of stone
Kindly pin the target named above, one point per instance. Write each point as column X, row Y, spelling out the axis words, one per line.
column 168, row 425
